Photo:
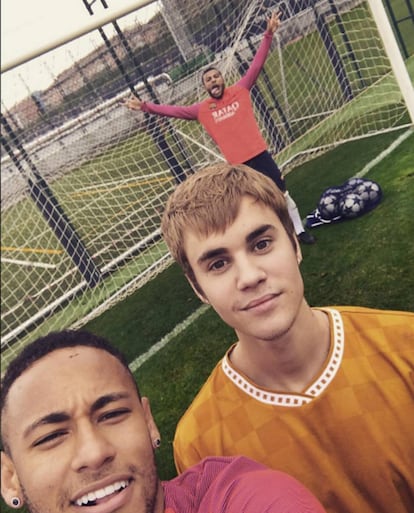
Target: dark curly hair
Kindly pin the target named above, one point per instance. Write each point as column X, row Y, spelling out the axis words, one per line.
column 49, row 343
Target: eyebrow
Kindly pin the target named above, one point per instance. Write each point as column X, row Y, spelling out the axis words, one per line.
column 101, row 402
column 61, row 416
column 209, row 254
column 52, row 418
column 250, row 237
column 258, row 232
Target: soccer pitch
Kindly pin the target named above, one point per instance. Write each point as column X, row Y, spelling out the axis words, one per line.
column 115, row 199
column 366, row 261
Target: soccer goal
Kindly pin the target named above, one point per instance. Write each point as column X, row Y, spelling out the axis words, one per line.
column 84, row 180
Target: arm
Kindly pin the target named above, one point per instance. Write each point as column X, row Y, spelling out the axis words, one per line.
column 173, row 111
column 270, row 491
column 241, row 485
column 257, row 64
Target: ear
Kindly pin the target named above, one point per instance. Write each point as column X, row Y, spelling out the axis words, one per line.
column 152, row 427
column 10, row 484
column 198, row 292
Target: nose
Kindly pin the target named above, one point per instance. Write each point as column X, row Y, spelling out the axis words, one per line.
column 249, row 272
column 92, row 449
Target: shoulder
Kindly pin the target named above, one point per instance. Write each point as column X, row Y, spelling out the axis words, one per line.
column 191, row 442
column 385, row 331
column 371, row 314
column 204, row 401
column 211, row 384
column 210, row 474
column 238, row 484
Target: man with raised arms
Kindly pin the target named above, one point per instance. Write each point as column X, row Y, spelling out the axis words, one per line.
column 228, row 117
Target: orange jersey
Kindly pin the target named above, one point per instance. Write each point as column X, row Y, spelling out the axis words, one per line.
column 232, row 125
column 349, row 437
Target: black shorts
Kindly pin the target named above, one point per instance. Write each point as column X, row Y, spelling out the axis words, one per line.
column 265, row 164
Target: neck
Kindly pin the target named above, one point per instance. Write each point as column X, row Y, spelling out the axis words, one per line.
column 291, row 362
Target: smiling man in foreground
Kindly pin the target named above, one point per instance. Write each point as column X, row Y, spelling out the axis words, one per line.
column 78, row 436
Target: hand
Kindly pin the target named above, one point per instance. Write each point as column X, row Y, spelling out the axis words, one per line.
column 273, row 21
column 133, row 103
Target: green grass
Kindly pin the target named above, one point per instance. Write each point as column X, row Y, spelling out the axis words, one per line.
column 164, row 301
column 375, row 245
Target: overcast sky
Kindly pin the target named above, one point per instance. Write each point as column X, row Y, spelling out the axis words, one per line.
column 30, row 24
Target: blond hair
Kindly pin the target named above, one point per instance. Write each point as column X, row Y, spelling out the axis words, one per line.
column 208, row 202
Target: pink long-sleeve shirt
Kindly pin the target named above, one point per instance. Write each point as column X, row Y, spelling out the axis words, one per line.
column 230, row 120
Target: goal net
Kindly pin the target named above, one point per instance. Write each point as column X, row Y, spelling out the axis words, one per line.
column 84, row 179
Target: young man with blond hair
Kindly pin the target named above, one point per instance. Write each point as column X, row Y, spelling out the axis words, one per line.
column 325, row 394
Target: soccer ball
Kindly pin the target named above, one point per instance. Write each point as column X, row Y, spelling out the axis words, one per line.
column 352, row 184
column 328, row 206
column 351, row 205
column 370, row 192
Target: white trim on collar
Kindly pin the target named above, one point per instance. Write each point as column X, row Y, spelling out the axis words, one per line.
column 315, row 389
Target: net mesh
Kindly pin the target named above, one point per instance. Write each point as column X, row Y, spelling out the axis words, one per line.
column 84, row 179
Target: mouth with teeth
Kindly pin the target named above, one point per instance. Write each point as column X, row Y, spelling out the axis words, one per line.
column 102, row 494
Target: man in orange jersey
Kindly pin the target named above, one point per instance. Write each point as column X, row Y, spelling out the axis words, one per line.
column 324, row 394
column 78, row 435
column 228, row 117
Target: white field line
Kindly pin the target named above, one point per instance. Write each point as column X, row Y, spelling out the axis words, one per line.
column 135, row 364
column 384, row 153
column 28, row 263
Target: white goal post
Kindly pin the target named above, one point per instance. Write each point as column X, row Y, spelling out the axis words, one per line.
column 394, row 55
column 85, row 180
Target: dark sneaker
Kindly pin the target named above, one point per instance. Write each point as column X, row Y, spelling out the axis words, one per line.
column 306, row 238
